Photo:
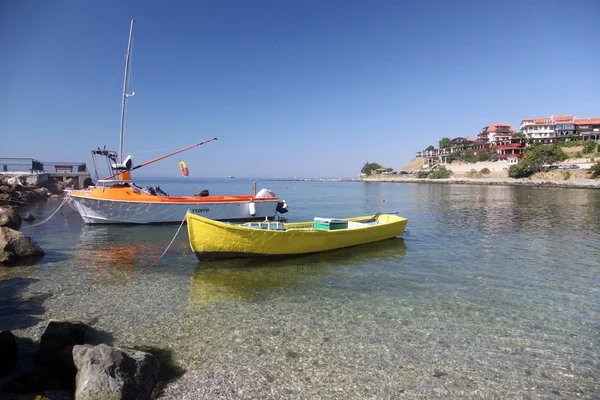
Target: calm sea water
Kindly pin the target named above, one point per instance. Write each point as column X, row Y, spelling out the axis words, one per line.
column 495, row 293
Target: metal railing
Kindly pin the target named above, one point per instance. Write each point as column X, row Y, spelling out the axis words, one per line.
column 20, row 165
column 32, row 165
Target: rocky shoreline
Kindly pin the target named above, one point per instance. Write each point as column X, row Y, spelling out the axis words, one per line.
column 569, row 183
column 24, row 190
column 72, row 361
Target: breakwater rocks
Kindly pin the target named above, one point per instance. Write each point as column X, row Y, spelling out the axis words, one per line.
column 569, row 183
column 26, row 189
column 64, row 365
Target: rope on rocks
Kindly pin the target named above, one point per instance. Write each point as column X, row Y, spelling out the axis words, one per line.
column 55, row 211
column 164, row 252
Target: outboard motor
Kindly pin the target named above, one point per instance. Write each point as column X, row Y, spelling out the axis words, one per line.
column 149, row 190
column 282, row 207
column 203, row 193
column 160, row 192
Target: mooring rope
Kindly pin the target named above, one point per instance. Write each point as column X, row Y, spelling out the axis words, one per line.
column 164, row 252
column 55, row 211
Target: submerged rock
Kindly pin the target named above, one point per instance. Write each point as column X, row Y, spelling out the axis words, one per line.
column 29, row 217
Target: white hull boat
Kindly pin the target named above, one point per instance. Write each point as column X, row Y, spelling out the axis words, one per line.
column 142, row 208
column 117, row 200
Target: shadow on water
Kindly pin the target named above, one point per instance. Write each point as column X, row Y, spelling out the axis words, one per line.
column 17, row 312
column 254, row 277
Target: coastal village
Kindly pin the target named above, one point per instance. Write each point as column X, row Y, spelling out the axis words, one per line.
column 498, row 146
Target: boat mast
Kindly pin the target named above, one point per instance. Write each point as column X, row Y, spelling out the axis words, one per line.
column 125, row 95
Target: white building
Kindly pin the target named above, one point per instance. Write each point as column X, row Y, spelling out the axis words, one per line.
column 548, row 129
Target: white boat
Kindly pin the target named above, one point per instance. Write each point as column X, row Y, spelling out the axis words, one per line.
column 118, row 200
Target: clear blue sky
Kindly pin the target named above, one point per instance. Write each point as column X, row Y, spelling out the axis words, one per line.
column 290, row 88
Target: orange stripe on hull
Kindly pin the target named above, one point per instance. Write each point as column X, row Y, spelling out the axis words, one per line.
column 127, row 194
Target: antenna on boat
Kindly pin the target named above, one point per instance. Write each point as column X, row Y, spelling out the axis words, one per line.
column 125, row 94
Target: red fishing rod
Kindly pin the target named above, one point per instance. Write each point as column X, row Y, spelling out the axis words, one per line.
column 163, row 157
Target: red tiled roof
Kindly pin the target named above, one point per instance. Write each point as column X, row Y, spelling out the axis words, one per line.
column 564, row 118
column 492, row 128
column 587, row 121
column 557, row 118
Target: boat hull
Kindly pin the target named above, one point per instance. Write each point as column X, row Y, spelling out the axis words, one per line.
column 141, row 208
column 215, row 240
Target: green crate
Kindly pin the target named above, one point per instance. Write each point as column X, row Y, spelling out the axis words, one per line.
column 330, row 224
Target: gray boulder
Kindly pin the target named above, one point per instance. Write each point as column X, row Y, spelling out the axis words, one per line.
column 15, row 245
column 110, row 373
column 10, row 218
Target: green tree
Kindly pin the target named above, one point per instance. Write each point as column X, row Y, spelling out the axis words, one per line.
column 445, row 143
column 369, row 166
column 483, row 155
column 517, row 171
column 535, row 158
column 440, row 173
column 430, row 148
column 595, row 170
column 468, row 156
column 588, row 147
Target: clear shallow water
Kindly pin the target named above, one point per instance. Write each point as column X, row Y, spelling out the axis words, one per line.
column 494, row 294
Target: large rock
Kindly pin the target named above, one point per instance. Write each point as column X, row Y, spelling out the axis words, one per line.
column 8, row 352
column 53, row 361
column 58, row 336
column 15, row 246
column 10, row 218
column 110, row 373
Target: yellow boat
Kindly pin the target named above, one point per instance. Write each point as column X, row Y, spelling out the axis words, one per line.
column 210, row 239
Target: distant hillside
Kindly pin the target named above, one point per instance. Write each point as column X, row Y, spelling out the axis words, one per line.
column 416, row 163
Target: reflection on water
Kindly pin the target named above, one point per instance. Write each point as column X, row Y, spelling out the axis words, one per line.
column 256, row 277
column 125, row 248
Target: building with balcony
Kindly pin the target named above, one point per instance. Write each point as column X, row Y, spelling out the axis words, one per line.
column 508, row 146
column 588, row 128
column 549, row 129
column 511, row 152
column 496, row 134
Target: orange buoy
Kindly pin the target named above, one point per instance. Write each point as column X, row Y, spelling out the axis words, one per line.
column 383, row 200
column 184, row 169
